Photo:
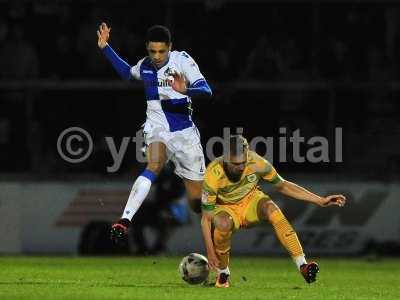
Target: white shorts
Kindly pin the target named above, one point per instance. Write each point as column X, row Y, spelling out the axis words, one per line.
column 183, row 148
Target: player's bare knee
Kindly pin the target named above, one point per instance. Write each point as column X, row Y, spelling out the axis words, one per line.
column 155, row 167
column 223, row 222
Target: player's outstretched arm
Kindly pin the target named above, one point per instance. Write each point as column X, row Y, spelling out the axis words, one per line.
column 295, row 191
column 121, row 66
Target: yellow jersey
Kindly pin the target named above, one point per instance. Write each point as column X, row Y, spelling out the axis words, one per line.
column 218, row 189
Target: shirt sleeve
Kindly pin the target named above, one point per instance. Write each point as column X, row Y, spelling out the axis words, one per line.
column 190, row 69
column 200, row 88
column 268, row 172
column 210, row 190
column 135, row 70
column 120, row 65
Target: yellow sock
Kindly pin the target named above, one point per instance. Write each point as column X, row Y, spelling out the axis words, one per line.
column 222, row 243
column 285, row 233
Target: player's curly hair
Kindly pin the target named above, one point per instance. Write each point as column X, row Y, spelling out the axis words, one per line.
column 158, row 33
column 237, row 144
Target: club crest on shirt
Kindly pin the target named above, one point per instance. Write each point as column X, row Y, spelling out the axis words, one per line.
column 251, row 177
column 170, row 71
column 167, row 72
column 216, row 171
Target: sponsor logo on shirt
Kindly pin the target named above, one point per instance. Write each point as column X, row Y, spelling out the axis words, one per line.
column 159, row 83
column 163, row 83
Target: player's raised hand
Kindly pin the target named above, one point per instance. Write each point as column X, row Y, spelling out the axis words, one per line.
column 103, row 35
column 179, row 83
column 338, row 200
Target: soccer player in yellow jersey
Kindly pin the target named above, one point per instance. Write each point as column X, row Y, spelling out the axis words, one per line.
column 232, row 200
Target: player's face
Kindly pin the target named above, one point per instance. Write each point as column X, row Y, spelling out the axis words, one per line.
column 235, row 166
column 158, row 52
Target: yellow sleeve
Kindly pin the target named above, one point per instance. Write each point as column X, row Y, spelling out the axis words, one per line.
column 268, row 172
column 210, row 188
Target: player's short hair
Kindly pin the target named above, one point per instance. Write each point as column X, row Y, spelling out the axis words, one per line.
column 237, row 144
column 158, row 33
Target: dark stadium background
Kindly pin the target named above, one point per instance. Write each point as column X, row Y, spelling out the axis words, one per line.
column 308, row 65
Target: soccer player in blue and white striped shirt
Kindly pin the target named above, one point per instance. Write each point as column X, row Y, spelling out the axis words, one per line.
column 171, row 79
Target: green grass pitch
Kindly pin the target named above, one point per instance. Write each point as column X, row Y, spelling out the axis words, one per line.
column 157, row 278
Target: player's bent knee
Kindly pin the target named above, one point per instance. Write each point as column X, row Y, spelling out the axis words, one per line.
column 155, row 167
column 223, row 222
column 195, row 205
column 267, row 207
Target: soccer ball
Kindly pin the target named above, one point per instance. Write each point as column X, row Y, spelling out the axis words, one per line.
column 193, row 268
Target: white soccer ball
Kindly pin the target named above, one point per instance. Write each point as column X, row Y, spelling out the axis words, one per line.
column 193, row 268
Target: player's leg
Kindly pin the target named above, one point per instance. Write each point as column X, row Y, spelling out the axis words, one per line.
column 269, row 211
column 190, row 166
column 156, row 158
column 223, row 227
column 193, row 191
